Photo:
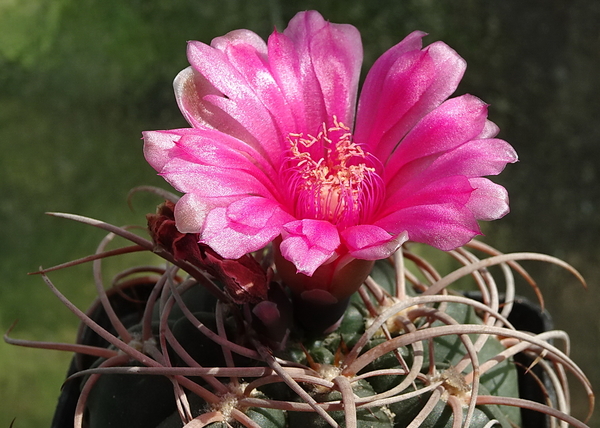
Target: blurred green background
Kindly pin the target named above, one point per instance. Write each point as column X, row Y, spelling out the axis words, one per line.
column 80, row 79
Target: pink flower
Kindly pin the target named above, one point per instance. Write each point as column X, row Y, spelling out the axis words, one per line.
column 278, row 149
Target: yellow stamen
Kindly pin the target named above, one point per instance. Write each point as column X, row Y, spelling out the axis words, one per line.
column 329, row 186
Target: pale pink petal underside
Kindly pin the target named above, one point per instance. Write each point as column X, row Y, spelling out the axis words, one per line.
column 489, row 201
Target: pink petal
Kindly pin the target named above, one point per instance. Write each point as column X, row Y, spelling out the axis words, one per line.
column 161, row 146
column 211, row 181
column 191, row 88
column 231, row 233
column 444, row 226
column 238, row 99
column 437, row 215
column 475, row 158
column 213, row 148
column 489, row 201
column 455, row 190
column 209, row 163
column 158, row 146
column 189, row 99
column 453, row 123
column 300, row 89
column 370, row 242
column 336, row 54
column 309, row 243
column 405, row 84
column 317, row 65
column 247, row 53
column 375, row 87
column 253, row 215
column 414, row 83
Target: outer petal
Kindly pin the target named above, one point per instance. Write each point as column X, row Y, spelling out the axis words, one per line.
column 375, row 87
column 444, row 226
column 414, row 83
column 475, row 158
column 239, row 99
column 212, row 181
column 317, row 65
column 254, row 215
column 232, row 232
column 159, row 144
column 191, row 211
column 489, row 201
column 191, row 88
column 162, row 146
column 437, row 215
column 309, row 243
column 455, row 190
column 453, row 123
column 209, row 163
column 490, row 130
column 404, row 85
column 213, row 148
column 370, row 242
column 301, row 89
column 247, row 53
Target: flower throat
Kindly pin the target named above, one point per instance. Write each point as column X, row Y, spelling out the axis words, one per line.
column 331, row 177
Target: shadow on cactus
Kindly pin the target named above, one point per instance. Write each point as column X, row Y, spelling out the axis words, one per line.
column 178, row 346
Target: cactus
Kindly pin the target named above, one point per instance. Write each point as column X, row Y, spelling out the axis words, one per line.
column 176, row 346
column 292, row 296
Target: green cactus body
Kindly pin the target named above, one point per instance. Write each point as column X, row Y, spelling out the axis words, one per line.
column 141, row 400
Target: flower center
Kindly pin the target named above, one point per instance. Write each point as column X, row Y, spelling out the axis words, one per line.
column 331, row 177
